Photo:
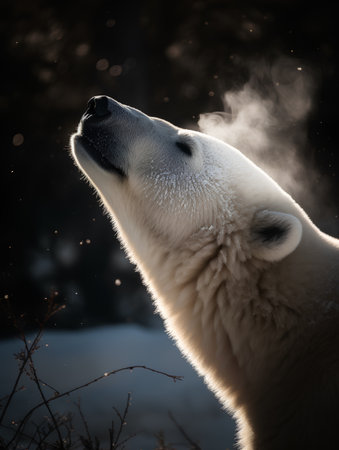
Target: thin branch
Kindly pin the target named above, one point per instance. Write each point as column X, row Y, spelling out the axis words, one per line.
column 194, row 445
column 32, row 439
column 111, row 435
column 20, row 373
column 45, row 430
column 84, row 421
column 52, row 309
column 121, row 443
column 25, row 435
column 105, row 375
column 44, row 400
column 44, row 383
column 5, row 397
column 122, row 420
column 161, row 444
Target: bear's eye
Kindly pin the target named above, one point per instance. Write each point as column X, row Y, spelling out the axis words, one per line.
column 184, row 147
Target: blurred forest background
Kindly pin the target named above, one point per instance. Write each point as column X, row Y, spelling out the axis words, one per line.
column 171, row 59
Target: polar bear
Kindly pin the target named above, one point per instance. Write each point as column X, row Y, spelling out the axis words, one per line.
column 245, row 282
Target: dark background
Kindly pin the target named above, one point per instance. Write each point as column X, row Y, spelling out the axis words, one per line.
column 172, row 59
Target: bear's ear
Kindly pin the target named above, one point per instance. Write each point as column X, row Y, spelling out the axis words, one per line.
column 274, row 235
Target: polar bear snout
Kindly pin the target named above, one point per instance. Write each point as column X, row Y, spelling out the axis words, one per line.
column 107, row 131
column 103, row 111
column 101, row 135
column 98, row 107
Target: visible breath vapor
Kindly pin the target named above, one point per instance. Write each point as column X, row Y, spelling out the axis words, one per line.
column 266, row 120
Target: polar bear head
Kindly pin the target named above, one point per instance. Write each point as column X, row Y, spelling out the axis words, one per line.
column 163, row 182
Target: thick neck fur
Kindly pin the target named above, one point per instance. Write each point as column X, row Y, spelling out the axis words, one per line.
column 236, row 323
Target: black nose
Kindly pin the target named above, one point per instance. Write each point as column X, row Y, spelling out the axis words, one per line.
column 98, row 106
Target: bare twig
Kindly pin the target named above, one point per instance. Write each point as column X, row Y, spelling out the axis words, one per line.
column 67, row 393
column 41, row 432
column 32, row 441
column 52, row 309
column 44, row 430
column 162, row 443
column 122, row 419
column 193, row 445
column 20, row 373
column 27, row 436
column 25, row 357
column 44, row 400
column 5, row 397
column 111, row 435
column 44, row 383
column 84, row 421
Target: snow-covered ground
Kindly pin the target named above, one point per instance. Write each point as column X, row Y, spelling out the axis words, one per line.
column 68, row 359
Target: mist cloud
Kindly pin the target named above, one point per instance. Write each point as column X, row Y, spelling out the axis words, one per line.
column 267, row 121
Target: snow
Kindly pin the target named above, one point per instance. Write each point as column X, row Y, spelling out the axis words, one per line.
column 69, row 359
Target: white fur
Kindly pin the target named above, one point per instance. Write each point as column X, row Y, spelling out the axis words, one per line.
column 243, row 308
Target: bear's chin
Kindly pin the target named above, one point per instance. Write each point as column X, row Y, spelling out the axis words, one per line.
column 81, row 144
